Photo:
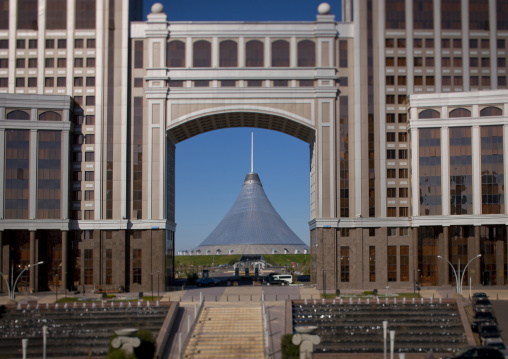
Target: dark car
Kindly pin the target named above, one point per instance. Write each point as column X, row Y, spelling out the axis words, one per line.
column 481, row 303
column 482, row 316
column 488, row 330
column 272, row 281
column 478, row 296
column 205, row 281
column 477, row 353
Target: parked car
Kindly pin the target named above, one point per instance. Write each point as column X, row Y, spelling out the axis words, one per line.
column 481, row 303
column 482, row 316
column 478, row 296
column 488, row 330
column 270, row 280
column 287, row 277
column 205, row 281
column 477, row 353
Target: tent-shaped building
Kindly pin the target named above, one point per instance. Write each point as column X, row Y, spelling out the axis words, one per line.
column 252, row 226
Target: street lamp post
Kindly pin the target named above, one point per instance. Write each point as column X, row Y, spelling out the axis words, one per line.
column 454, row 272
column 459, row 276
column 12, row 287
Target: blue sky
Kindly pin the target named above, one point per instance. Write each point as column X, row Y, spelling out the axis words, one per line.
column 210, row 168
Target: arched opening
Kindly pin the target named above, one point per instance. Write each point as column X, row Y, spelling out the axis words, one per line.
column 211, row 166
column 425, row 114
column 491, row 111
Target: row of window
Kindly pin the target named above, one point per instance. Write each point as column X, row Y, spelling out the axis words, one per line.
column 228, row 54
column 138, row 82
column 455, row 43
column 24, row 115
column 461, row 112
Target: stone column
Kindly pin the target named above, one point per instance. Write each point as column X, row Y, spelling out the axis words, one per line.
column 65, row 259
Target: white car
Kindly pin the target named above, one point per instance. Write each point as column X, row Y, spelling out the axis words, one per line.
column 287, row 277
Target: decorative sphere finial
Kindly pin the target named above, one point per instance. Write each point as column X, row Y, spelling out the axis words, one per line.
column 157, row 8
column 324, row 8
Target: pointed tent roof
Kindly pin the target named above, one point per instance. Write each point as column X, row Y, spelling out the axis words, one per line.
column 252, row 221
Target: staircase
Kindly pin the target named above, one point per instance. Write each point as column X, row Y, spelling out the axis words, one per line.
column 227, row 332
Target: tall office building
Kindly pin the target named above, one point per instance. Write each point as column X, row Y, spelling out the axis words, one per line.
column 403, row 103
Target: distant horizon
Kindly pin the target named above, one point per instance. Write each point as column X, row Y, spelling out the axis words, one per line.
column 211, row 167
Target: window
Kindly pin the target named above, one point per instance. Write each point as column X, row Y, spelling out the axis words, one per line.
column 32, row 63
column 20, row 44
column 4, row 44
column 390, row 137
column 402, row 136
column 403, row 212
column 89, row 215
column 280, row 53
column 202, row 54
column 228, row 54
column 490, row 111
column 254, row 54
column 391, row 212
column 90, row 81
column 344, row 232
column 418, row 61
column 175, row 56
column 61, row 63
column 280, row 83
column 90, row 120
column 446, row 80
column 90, row 139
column 201, row 83
column 78, row 43
column 171, row 83
column 344, row 264
column 389, row 43
column 88, row 266
column 62, row 43
column 401, row 43
column 501, row 44
column 389, row 61
column 392, row 263
column 254, row 83
column 457, row 43
column 89, row 156
column 306, row 53
column 50, row 43
column 401, row 61
column 3, row 82
column 457, row 61
column 78, row 82
column 485, row 61
column 90, row 100
column 306, row 83
column 78, row 100
column 60, row 81
column 429, row 61
column 343, row 54
column 429, row 43
column 403, row 192
column 445, row 43
column 391, row 192
column 138, row 82
column 457, row 80
column 4, row 63
column 445, row 62
column 485, row 43
column 404, row 263
column 402, row 117
column 89, row 195
column 89, row 175
column 391, row 173
column 372, row 264
column 501, row 81
column 473, row 62
column 391, row 231
column 390, row 99
column 417, row 43
column 32, row 44
column 49, row 63
column 76, row 176
column 76, row 195
column 418, row 80
column 136, row 266
column 90, row 43
column 401, row 80
column 78, row 62
column 390, row 118
column 77, row 156
column 402, row 154
column 390, row 154
column 473, row 43
column 501, row 62
column 402, row 99
column 90, row 62
column 474, row 81
column 20, row 82
column 20, row 63
column 459, row 112
column 429, row 80
column 32, row 82
column 109, row 266
column 138, row 54
column 395, row 14
column 228, row 83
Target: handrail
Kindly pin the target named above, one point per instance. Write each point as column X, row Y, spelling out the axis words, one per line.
column 266, row 326
column 187, row 339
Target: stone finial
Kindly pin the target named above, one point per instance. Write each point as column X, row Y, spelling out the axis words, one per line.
column 157, row 8
column 324, row 8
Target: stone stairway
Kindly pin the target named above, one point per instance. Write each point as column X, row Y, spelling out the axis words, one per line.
column 227, row 332
column 358, row 328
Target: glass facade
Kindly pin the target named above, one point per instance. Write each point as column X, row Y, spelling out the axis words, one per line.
column 56, row 14
column 395, row 14
column 17, row 173
column 392, row 263
column 88, row 266
column 136, row 266
column 344, row 156
column 427, row 255
column 430, row 171
column 175, row 56
column 458, row 250
column 49, row 174
column 451, row 15
column 344, row 264
column 492, row 169
column 423, row 17
column 461, row 171
column 372, row 264
column 137, row 159
column 404, row 263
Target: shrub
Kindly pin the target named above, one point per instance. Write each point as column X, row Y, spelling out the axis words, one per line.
column 288, row 349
